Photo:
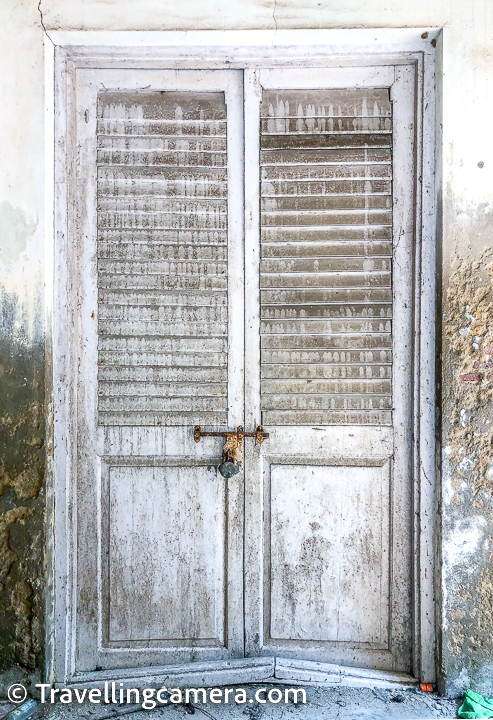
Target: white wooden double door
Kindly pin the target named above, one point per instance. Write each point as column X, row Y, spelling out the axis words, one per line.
column 244, row 252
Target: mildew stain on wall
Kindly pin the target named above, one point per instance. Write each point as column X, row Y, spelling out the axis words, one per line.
column 22, row 452
column 21, row 498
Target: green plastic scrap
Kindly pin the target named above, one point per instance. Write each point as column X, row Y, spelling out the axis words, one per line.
column 476, row 706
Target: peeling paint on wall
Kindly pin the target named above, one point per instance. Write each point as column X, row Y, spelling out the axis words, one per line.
column 15, row 230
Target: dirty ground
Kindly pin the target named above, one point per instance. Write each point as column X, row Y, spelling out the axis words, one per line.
column 322, row 704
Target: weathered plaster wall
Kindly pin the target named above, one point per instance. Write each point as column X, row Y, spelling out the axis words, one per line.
column 22, row 456
column 466, row 614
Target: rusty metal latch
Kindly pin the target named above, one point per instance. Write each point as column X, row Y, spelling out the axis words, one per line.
column 232, row 459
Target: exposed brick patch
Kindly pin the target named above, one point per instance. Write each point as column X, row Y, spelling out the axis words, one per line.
column 488, row 364
column 470, row 377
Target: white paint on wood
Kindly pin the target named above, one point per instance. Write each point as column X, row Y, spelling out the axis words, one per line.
column 166, row 549
column 329, row 551
column 198, row 674
column 130, row 278
column 325, row 674
column 304, row 131
column 159, row 559
column 301, row 473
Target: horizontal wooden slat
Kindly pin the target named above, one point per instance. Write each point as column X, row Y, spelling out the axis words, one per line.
column 153, row 126
column 322, row 249
column 128, row 328
column 375, row 341
column 325, row 265
column 164, row 143
column 162, row 221
column 326, row 295
column 179, row 188
column 335, row 356
column 162, row 344
column 155, row 106
column 162, row 282
column 340, row 312
column 325, row 233
column 328, row 217
column 325, row 279
column 150, row 298
column 323, row 157
column 333, row 171
column 326, row 417
column 153, row 235
column 165, row 174
column 144, row 388
column 302, row 371
column 323, row 188
column 164, row 313
column 347, row 124
column 158, row 374
column 308, row 141
column 155, row 157
column 173, row 358
column 164, row 204
column 162, row 404
column 296, row 401
column 374, row 102
column 165, row 419
column 325, row 202
column 304, row 326
column 159, row 251
column 211, row 269
column 291, row 387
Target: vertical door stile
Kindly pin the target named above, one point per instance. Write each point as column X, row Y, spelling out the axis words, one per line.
column 253, row 469
column 236, row 254
column 87, row 441
column 235, row 487
column 403, row 235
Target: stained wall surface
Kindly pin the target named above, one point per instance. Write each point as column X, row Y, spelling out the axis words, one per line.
column 465, row 520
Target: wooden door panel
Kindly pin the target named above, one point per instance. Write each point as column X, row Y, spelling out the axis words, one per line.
column 166, row 544
column 329, row 553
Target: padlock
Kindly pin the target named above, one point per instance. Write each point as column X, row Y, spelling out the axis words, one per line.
column 228, row 469
column 231, row 460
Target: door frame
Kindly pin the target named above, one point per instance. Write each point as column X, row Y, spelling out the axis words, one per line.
column 71, row 50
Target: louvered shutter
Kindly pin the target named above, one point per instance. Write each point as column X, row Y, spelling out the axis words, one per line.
column 162, row 258
column 326, row 246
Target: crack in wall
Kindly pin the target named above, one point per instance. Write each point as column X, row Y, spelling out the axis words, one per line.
column 43, row 25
